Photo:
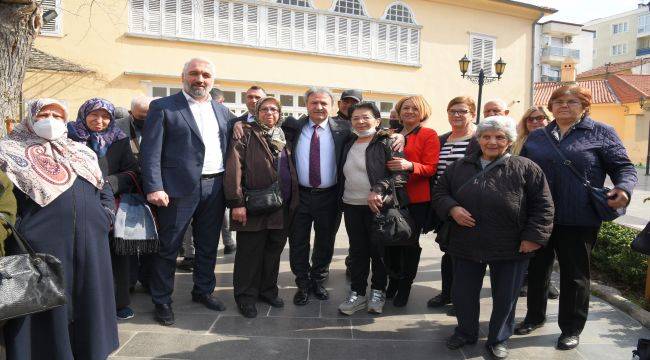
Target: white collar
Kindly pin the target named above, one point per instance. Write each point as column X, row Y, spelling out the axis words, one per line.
column 322, row 125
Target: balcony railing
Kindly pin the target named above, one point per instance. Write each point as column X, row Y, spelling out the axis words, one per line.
column 547, row 78
column 561, row 52
column 643, row 51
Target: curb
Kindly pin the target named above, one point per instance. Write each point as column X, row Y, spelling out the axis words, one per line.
column 615, row 298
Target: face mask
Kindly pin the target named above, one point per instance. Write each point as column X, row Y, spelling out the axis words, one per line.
column 50, row 128
column 365, row 133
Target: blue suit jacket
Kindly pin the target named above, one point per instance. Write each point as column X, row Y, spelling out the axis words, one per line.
column 172, row 150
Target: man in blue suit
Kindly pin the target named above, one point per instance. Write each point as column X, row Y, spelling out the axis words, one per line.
column 183, row 149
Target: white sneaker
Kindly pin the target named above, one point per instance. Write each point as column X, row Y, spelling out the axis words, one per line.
column 376, row 302
column 353, row 304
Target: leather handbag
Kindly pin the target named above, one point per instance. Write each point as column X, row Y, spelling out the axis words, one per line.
column 263, row 201
column 641, row 242
column 598, row 196
column 393, row 226
column 29, row 282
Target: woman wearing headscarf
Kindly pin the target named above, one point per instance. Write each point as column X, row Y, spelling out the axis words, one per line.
column 256, row 161
column 95, row 127
column 63, row 210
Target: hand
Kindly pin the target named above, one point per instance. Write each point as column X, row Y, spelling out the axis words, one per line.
column 398, row 143
column 237, row 130
column 158, row 198
column 239, row 215
column 374, row 202
column 528, row 246
column 462, row 216
column 399, row 164
column 618, row 198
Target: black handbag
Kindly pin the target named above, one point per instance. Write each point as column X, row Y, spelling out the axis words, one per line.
column 598, row 196
column 263, row 201
column 393, row 226
column 29, row 282
column 641, row 242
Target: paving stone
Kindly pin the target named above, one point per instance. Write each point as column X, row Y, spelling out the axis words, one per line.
column 380, row 328
column 195, row 323
column 379, row 350
column 290, row 327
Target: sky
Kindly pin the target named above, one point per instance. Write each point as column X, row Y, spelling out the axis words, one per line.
column 581, row 11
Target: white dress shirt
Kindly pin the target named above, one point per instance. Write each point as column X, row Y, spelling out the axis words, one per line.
column 327, row 155
column 250, row 118
column 206, row 121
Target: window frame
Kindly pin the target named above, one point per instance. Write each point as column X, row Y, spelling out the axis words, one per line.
column 622, row 27
column 364, row 10
column 402, row 3
column 58, row 22
column 310, row 4
column 483, row 37
column 622, row 47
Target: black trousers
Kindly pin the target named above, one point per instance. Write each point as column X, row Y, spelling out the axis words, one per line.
column 322, row 209
column 572, row 245
column 363, row 251
column 121, row 279
column 447, row 274
column 403, row 261
column 257, row 263
column 505, row 278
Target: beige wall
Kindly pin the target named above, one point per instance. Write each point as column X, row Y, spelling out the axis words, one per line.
column 605, row 39
column 631, row 125
column 125, row 65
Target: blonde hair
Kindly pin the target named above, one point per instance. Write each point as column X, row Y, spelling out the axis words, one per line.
column 420, row 103
column 522, row 129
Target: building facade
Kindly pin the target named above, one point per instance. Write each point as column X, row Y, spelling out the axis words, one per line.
column 386, row 48
column 558, row 41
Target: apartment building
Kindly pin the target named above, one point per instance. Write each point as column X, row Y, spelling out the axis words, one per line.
column 558, row 42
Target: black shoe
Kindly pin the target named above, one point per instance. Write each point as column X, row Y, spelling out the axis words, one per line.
column 498, row 351
column 186, row 264
column 456, row 342
column 301, row 297
column 229, row 249
column 164, row 314
column 248, row 310
column 209, row 301
column 439, row 301
column 451, row 311
column 568, row 342
column 319, row 291
column 403, row 293
column 525, row 327
column 523, row 292
column 553, row 292
column 275, row 302
column 391, row 290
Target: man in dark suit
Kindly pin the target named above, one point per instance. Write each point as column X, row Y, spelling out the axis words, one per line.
column 253, row 95
column 183, row 149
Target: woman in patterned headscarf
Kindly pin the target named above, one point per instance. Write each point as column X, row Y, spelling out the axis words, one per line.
column 63, row 210
column 95, row 127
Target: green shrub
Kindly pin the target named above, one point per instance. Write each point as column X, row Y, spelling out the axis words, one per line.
column 614, row 258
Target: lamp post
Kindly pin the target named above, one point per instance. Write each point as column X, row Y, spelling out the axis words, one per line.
column 480, row 79
column 643, row 102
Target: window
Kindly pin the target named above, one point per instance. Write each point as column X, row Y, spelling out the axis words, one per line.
column 52, row 27
column 162, row 91
column 352, row 7
column 619, row 49
column 399, row 12
column 619, row 28
column 302, row 3
column 644, row 23
column 482, row 53
column 385, row 106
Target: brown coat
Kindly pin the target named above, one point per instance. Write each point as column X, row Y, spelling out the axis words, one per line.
column 250, row 163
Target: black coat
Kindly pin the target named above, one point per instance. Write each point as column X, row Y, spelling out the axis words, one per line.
column 510, row 203
column 74, row 228
column 118, row 160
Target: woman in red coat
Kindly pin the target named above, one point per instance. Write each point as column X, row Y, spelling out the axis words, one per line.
column 421, row 154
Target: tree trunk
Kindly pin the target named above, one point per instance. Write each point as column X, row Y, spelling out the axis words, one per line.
column 20, row 22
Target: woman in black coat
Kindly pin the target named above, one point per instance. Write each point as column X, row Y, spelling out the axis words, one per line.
column 64, row 210
column 95, row 127
column 501, row 210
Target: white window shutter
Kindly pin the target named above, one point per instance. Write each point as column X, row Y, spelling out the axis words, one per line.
column 285, row 28
column 393, row 38
column 153, row 22
column 208, row 23
column 382, row 44
column 403, row 45
column 299, row 33
column 312, row 32
column 169, row 17
column 354, row 37
column 414, row 47
column 252, row 18
column 366, row 39
column 342, row 35
column 186, row 18
column 488, row 56
column 330, row 34
column 223, row 21
column 477, row 54
column 50, row 27
column 272, row 29
column 136, row 16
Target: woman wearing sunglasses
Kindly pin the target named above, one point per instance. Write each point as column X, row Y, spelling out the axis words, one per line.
column 534, row 118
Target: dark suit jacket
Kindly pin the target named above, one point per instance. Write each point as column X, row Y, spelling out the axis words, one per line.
column 172, row 150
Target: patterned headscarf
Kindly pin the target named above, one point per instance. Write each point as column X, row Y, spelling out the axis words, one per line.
column 274, row 135
column 98, row 141
column 44, row 169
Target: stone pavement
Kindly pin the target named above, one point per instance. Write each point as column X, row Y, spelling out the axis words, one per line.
column 317, row 331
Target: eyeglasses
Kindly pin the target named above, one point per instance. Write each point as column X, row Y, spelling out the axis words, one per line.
column 271, row 110
column 364, row 118
column 457, row 112
column 570, row 102
column 534, row 119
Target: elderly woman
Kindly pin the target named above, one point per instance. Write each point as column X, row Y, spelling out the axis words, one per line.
column 62, row 211
column 501, row 211
column 534, row 118
column 420, row 160
column 366, row 181
column 454, row 145
column 95, row 127
column 594, row 150
column 260, row 159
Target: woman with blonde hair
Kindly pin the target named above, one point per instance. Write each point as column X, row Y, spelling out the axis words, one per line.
column 534, row 118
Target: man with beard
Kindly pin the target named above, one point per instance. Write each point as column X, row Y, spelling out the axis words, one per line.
column 184, row 143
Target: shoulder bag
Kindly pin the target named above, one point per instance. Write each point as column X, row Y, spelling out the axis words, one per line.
column 393, row 226
column 267, row 200
column 597, row 195
column 29, row 282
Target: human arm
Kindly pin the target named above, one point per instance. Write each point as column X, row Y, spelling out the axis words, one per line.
column 121, row 182
column 539, row 209
column 151, row 153
column 233, row 179
column 444, row 203
column 620, row 169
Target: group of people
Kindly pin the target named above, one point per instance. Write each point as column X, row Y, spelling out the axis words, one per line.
column 495, row 192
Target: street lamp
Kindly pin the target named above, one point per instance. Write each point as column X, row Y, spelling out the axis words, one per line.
column 643, row 102
column 481, row 79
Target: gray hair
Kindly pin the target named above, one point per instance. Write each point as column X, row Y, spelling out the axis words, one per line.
column 502, row 104
column 141, row 102
column 318, row 90
column 201, row 60
column 505, row 124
